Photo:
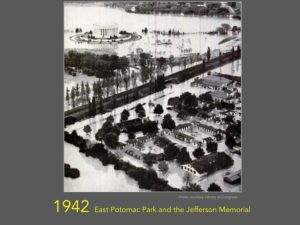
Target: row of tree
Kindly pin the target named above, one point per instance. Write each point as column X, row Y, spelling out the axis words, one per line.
column 96, row 65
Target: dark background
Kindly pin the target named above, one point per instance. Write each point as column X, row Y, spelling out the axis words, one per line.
column 32, row 122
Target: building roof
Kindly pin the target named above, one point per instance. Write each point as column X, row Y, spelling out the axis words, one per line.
column 208, row 139
column 218, row 136
column 219, row 94
column 214, row 81
column 182, row 126
column 204, row 126
column 133, row 151
column 104, row 25
column 135, row 142
column 211, row 162
column 233, row 177
column 177, row 133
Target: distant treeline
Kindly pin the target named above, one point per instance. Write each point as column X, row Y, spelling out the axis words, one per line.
column 188, row 8
column 101, row 66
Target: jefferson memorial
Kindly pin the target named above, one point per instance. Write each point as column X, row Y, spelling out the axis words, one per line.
column 105, row 30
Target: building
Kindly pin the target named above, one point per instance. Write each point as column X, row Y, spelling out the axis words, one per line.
column 233, row 178
column 183, row 126
column 135, row 143
column 207, row 140
column 134, row 152
column 213, row 82
column 219, row 96
column 206, row 128
column 208, row 164
column 105, row 30
column 128, row 126
column 183, row 137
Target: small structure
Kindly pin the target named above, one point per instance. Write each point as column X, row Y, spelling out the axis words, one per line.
column 233, row 178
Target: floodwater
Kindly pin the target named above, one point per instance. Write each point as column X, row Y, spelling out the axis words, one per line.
column 94, row 177
column 174, row 175
column 85, row 15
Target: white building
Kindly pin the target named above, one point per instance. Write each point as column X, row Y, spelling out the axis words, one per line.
column 105, row 30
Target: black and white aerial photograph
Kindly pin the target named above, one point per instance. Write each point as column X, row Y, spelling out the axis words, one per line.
column 152, row 96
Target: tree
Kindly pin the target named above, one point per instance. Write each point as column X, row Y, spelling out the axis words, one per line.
column 117, row 81
column 99, row 135
column 220, row 57
column 124, row 115
column 214, row 187
column 232, row 53
column 226, row 27
column 133, row 78
column 163, row 167
column 144, row 63
column 184, row 63
column 114, row 101
column 183, row 157
column 206, row 98
column 189, row 100
column 229, row 119
column 158, row 109
column 168, row 122
column 141, row 114
column 161, row 61
column 171, row 152
column 90, row 108
column 111, row 140
column 94, row 109
column 110, row 119
column 198, row 153
column 238, row 51
column 208, row 54
column 131, row 135
column 212, row 147
column 73, row 97
column 67, row 95
column 203, row 65
column 230, row 141
column 149, row 159
column 149, row 127
column 139, row 107
column 192, row 187
column 234, row 129
column 171, row 61
column 77, row 92
column 187, row 178
column 82, row 90
column 87, row 129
